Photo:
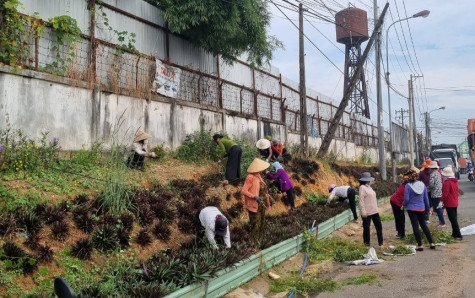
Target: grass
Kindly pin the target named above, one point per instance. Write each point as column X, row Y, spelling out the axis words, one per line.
column 337, row 249
column 386, row 217
column 317, row 198
column 303, row 285
column 308, row 285
column 401, row 250
column 369, row 278
column 438, row 235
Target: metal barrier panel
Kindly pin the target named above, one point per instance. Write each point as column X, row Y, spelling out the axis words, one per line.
column 230, row 278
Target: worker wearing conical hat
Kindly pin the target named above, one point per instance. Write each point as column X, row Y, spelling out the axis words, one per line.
column 252, row 197
column 139, row 149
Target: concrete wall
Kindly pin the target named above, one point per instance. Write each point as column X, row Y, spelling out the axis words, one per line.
column 36, row 102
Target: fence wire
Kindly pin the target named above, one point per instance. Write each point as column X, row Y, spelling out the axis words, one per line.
column 100, row 62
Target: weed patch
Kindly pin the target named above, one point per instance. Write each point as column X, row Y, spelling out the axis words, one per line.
column 338, row 249
column 370, row 279
column 386, row 217
column 304, row 285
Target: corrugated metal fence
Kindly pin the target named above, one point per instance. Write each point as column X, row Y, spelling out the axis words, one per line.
column 99, row 58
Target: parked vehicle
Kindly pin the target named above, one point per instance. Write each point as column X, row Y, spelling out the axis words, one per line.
column 447, row 151
column 471, row 139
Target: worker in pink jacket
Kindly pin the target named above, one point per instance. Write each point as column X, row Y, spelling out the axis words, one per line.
column 369, row 209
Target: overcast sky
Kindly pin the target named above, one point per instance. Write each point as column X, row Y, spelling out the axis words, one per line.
column 442, row 49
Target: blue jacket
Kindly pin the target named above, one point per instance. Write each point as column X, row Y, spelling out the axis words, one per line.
column 415, row 196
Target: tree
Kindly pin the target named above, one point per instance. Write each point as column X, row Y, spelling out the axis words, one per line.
column 223, row 27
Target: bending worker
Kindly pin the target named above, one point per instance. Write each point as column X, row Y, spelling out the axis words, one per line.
column 228, row 148
column 343, row 193
column 139, row 149
column 215, row 225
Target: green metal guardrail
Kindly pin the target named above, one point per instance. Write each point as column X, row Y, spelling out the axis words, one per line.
column 230, row 278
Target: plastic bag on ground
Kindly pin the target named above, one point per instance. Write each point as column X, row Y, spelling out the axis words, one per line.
column 468, row 230
column 369, row 259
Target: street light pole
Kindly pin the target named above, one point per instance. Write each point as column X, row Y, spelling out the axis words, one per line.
column 424, row 14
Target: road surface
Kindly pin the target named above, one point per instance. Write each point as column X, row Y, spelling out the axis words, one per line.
column 446, row 272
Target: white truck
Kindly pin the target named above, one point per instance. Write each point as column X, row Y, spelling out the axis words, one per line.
column 443, row 151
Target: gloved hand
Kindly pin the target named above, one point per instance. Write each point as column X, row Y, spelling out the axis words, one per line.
column 257, row 199
column 267, row 159
column 402, row 208
column 440, row 206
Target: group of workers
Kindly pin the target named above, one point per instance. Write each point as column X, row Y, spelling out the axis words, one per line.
column 420, row 193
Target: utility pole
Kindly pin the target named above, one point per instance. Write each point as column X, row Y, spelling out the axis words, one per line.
column 414, row 121
column 346, row 97
column 303, row 94
column 377, row 53
column 402, row 112
column 427, row 122
column 411, row 124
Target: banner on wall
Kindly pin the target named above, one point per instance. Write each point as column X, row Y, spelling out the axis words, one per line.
column 167, row 79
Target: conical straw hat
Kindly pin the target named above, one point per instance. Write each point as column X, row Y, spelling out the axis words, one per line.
column 141, row 135
column 263, row 144
column 257, row 165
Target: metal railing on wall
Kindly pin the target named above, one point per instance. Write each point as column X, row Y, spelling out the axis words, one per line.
column 113, row 68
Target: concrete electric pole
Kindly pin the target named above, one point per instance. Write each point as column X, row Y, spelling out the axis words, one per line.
column 303, row 93
column 411, row 124
column 377, row 54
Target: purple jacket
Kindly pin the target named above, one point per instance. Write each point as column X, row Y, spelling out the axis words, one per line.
column 415, row 197
column 285, row 182
column 424, row 176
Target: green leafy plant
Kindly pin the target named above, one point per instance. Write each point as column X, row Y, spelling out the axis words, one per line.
column 369, row 278
column 401, row 250
column 228, row 28
column 315, row 198
column 67, row 33
column 304, row 285
column 198, row 147
column 386, row 217
column 82, row 249
column 338, row 249
column 126, row 40
column 16, row 30
column 105, row 239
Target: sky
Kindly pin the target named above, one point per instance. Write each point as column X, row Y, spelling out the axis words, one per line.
column 441, row 48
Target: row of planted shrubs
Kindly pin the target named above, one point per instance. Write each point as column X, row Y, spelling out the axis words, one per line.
column 152, row 214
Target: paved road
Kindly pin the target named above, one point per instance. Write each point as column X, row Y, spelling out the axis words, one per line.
column 446, row 272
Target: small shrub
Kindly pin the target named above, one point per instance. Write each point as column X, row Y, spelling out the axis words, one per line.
column 32, row 241
column 105, row 239
column 45, row 254
column 31, row 223
column 186, row 225
column 198, row 147
column 59, row 230
column 13, row 251
column 124, row 237
column 127, row 221
column 84, row 221
column 146, row 215
column 162, row 232
column 82, row 249
column 143, row 238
